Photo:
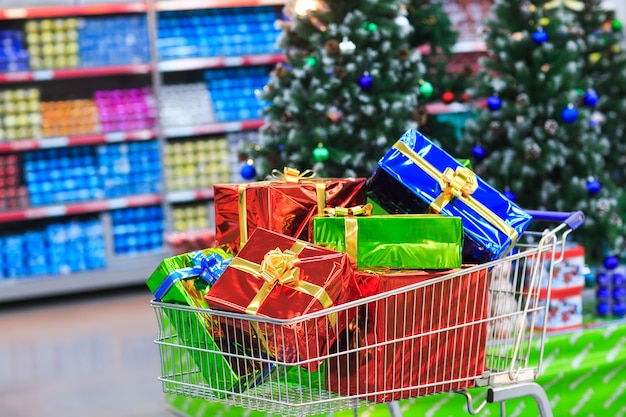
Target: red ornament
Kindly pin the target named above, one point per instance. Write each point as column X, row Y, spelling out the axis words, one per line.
column 465, row 98
column 447, row 97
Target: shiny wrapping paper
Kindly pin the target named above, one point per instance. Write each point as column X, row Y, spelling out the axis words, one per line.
column 179, row 280
column 377, row 364
column 416, row 176
column 246, row 287
column 285, row 207
column 419, row 241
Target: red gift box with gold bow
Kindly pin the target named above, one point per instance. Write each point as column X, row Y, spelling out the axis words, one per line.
column 280, row 277
column 285, row 204
column 431, row 338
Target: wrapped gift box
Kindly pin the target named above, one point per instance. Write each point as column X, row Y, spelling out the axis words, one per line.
column 416, row 176
column 183, row 280
column 445, row 340
column 280, row 277
column 420, row 241
column 284, row 206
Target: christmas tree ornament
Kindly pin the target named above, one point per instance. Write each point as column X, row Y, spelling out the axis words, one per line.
column 533, row 151
column 619, row 309
column 426, row 89
column 248, row 171
column 517, row 36
column 447, row 97
column 569, row 114
column 347, row 47
column 465, row 97
column 616, row 25
column 332, row 47
column 540, row 36
column 574, row 5
column 594, row 57
column 334, row 114
column 402, row 21
column 366, row 81
column 611, row 262
column 496, row 127
column 321, row 153
column 478, row 152
column 544, row 21
column 603, row 206
column 494, row 103
column 281, row 147
column 522, row 99
column 603, row 279
column 545, row 68
column 370, row 26
column 593, row 186
column 310, row 61
column 551, row 126
column 591, row 98
column 509, row 194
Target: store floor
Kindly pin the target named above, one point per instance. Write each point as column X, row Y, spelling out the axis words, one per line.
column 81, row 356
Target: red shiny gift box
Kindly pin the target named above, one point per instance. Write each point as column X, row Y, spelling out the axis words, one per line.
column 285, row 206
column 280, row 277
column 418, row 342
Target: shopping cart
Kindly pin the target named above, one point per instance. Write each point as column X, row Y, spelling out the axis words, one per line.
column 474, row 327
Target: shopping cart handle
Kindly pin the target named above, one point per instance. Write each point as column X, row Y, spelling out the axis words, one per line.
column 572, row 219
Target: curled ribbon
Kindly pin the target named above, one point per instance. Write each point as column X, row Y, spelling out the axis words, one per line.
column 207, row 267
column 292, row 175
column 364, row 210
column 460, row 183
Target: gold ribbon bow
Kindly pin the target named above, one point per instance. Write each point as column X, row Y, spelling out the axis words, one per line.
column 364, row 210
column 280, row 268
column 292, row 175
column 460, row 183
column 461, row 193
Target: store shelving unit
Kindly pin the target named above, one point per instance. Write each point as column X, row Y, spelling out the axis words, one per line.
column 122, row 270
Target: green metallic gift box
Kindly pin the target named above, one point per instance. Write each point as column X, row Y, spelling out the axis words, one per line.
column 396, row 241
column 216, row 359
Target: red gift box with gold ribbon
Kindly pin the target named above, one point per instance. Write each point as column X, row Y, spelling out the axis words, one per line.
column 420, row 341
column 285, row 205
column 280, row 277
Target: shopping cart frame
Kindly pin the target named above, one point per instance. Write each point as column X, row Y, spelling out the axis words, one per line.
column 509, row 376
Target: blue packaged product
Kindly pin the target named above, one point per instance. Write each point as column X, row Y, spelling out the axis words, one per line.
column 416, row 176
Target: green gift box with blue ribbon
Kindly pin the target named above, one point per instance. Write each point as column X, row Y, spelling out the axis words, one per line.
column 184, row 280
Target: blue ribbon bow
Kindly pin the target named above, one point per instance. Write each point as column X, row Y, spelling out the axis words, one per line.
column 207, row 267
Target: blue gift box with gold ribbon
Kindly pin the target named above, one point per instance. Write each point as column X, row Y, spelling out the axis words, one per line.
column 416, row 176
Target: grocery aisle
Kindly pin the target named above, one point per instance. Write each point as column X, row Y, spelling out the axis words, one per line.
column 81, row 356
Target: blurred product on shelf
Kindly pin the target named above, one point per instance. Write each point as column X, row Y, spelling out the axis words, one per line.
column 113, row 40
column 20, row 114
column 190, row 240
column 53, row 43
column 137, row 230
column 126, row 109
column 233, row 91
column 175, row 109
column 13, row 55
column 191, row 217
column 468, row 17
column 218, row 31
column 196, row 163
column 69, row 117
column 611, row 289
column 12, row 193
column 54, row 249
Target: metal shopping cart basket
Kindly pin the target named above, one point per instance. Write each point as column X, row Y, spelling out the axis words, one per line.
column 481, row 326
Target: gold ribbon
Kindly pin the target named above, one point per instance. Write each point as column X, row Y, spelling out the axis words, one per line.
column 351, row 231
column 280, row 268
column 459, row 184
column 363, row 210
column 289, row 175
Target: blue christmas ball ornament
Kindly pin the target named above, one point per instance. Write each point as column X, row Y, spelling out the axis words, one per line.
column 619, row 309
column 540, row 36
column 619, row 279
column 366, row 81
column 593, row 186
column 603, row 294
column 494, row 103
column 508, row 194
column 478, row 152
column 591, row 98
column 569, row 114
column 248, row 172
column 611, row 262
column 603, row 309
column 619, row 294
column 603, row 279
column 281, row 147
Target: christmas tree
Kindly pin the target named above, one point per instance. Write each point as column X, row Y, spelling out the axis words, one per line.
column 347, row 90
column 536, row 141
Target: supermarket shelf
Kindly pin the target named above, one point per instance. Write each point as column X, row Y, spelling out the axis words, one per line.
column 77, row 140
column 212, row 128
column 79, row 10
column 186, row 196
column 188, row 64
column 122, row 271
column 65, row 73
column 209, row 4
column 72, row 209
